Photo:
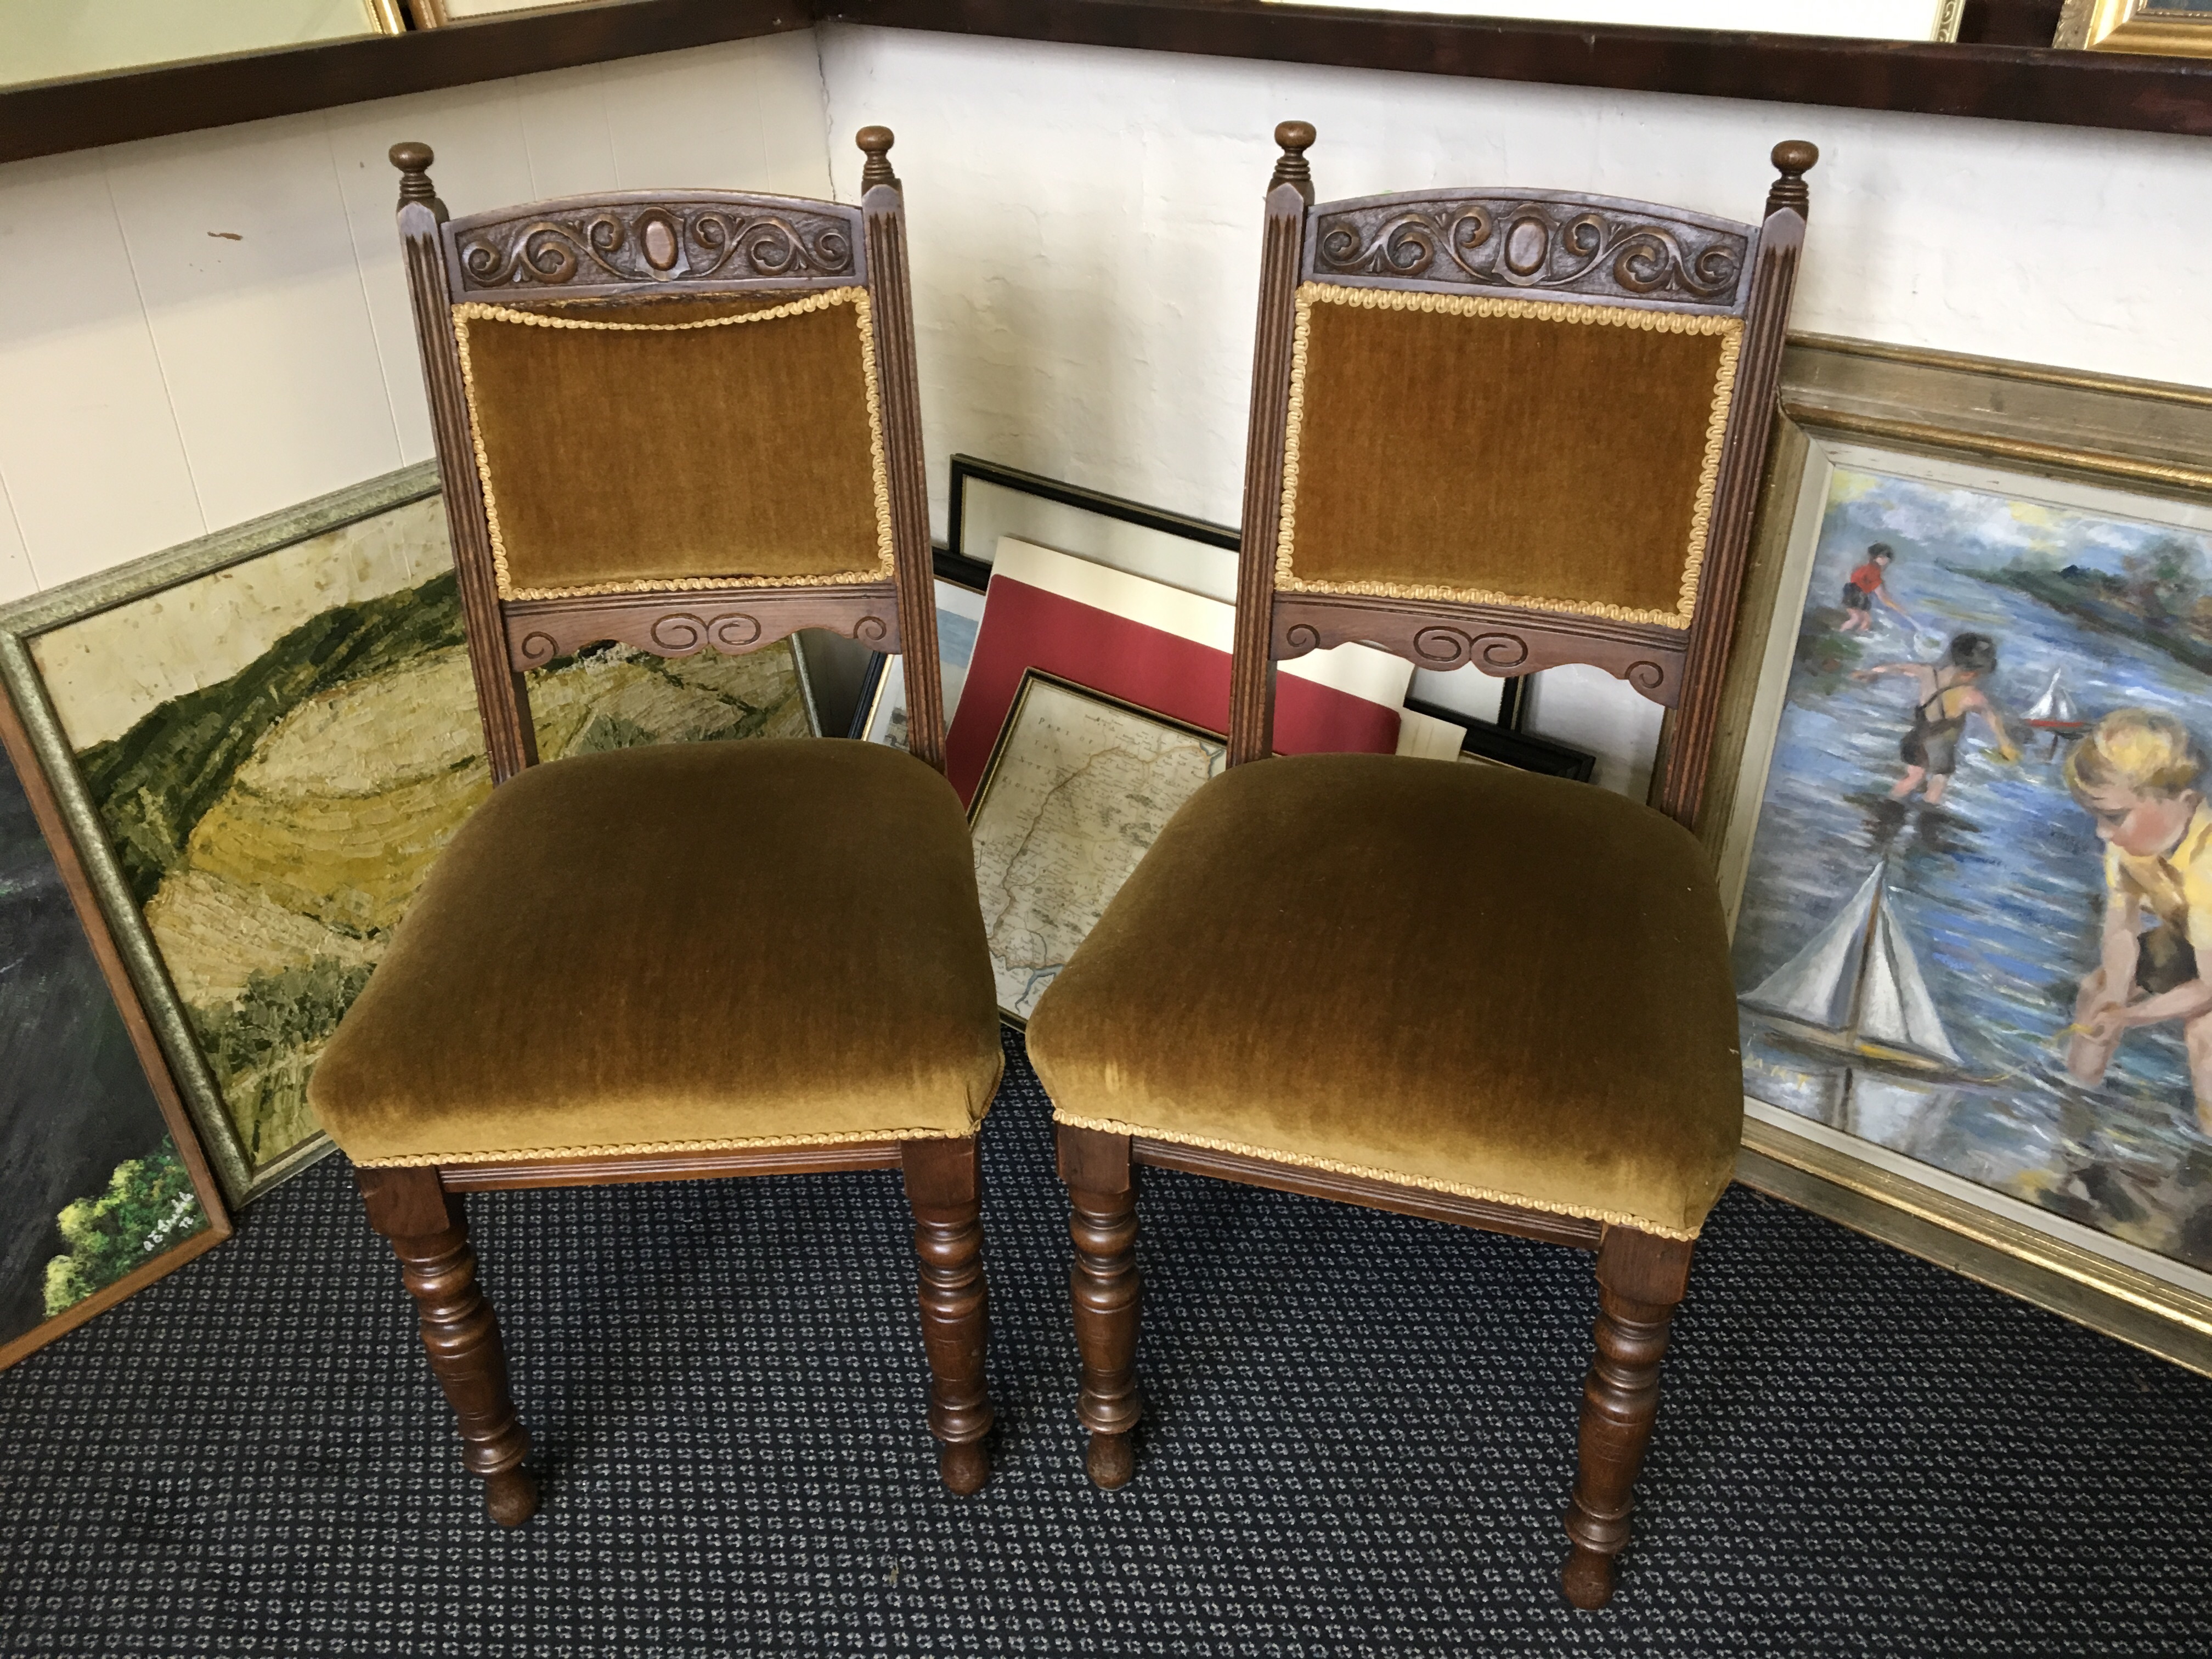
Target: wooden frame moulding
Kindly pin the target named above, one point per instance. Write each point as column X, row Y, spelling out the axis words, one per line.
column 1459, row 1211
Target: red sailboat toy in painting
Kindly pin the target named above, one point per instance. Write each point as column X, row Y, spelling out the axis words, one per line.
column 2055, row 712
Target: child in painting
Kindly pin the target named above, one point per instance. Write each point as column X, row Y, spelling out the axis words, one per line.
column 1864, row 586
column 2141, row 776
column 1948, row 695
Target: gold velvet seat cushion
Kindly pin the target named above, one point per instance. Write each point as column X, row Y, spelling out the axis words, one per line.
column 1458, row 977
column 693, row 946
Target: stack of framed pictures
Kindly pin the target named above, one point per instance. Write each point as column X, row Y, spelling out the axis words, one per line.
column 1085, row 643
column 990, row 502
column 263, row 739
column 1966, row 838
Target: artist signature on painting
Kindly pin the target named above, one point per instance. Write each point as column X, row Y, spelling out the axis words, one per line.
column 182, row 1211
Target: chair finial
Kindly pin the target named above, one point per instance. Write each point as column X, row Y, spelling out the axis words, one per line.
column 877, row 142
column 1793, row 158
column 1295, row 137
column 413, row 160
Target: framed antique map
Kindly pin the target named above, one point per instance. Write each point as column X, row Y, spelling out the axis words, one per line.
column 1078, row 787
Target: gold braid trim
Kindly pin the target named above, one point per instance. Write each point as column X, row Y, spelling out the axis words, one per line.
column 856, row 297
column 1731, row 328
column 1368, row 1172
column 636, row 1148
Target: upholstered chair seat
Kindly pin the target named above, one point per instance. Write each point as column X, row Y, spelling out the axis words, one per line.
column 696, row 992
column 1461, row 978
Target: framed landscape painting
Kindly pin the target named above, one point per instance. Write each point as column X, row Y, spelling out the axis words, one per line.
column 102, row 1185
column 272, row 733
column 1971, row 854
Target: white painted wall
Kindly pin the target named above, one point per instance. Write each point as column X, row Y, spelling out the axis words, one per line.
column 197, row 329
column 1084, row 225
column 1086, row 232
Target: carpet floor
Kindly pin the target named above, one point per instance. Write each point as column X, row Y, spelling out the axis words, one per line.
column 1359, row 1441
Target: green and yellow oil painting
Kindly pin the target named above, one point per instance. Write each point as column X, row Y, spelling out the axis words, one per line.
column 279, row 750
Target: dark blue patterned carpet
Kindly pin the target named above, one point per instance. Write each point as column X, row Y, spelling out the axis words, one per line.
column 1360, row 1443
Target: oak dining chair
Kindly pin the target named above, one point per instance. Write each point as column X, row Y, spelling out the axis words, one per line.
column 677, row 420
column 1509, row 427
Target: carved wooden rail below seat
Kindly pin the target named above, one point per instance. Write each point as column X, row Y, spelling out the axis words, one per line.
column 730, row 619
column 1498, row 641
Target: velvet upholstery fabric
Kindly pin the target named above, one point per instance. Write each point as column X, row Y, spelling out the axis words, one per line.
column 1508, row 458
column 695, row 944
column 651, row 449
column 1465, row 977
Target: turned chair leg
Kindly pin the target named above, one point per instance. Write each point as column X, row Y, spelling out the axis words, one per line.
column 1641, row 1276
column 1104, row 1289
column 429, row 1233
column 945, row 1187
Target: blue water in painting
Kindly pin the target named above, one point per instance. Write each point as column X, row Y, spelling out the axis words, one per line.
column 2001, row 887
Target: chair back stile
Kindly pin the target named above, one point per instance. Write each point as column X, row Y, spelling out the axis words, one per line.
column 1548, row 258
column 613, row 255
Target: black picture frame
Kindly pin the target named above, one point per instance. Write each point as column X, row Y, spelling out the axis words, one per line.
column 1507, row 747
column 956, row 562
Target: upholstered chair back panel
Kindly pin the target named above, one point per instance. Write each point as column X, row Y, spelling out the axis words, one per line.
column 1503, row 451
column 705, row 441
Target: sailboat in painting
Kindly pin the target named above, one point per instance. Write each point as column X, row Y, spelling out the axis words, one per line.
column 2056, row 712
column 1857, row 991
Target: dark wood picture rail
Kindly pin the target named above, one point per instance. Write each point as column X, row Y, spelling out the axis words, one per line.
column 2011, row 83
column 1998, row 73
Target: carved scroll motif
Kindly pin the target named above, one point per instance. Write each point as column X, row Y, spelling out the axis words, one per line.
column 1509, row 242
column 1649, row 658
column 538, row 631
column 670, row 242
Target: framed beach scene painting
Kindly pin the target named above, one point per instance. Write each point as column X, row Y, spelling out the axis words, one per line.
column 272, row 733
column 1973, row 875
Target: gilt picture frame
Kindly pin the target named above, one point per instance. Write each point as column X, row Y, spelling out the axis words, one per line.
column 2027, row 514
column 2166, row 29
column 261, row 739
